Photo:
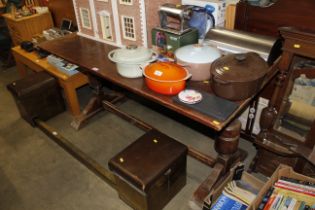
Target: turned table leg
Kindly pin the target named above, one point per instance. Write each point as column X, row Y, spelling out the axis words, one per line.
column 226, row 145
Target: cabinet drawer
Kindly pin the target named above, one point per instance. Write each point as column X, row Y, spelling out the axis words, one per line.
column 299, row 47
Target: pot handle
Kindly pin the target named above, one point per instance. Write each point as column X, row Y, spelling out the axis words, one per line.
column 143, row 65
column 185, row 66
column 153, row 57
column 111, row 54
column 188, row 76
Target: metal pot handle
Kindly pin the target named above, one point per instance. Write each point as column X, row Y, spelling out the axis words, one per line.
column 142, row 66
column 153, row 57
column 188, row 76
column 111, row 54
column 240, row 57
column 186, row 66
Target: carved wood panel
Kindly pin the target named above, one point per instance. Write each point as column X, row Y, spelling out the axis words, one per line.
column 267, row 20
column 61, row 9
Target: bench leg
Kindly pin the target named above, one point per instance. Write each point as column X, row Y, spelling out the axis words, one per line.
column 22, row 69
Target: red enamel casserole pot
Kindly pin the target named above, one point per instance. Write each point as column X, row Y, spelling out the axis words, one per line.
column 165, row 77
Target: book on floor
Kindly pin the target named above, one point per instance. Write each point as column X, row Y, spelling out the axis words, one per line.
column 226, row 201
column 289, row 194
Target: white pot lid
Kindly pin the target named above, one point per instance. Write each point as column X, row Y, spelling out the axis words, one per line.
column 197, row 53
column 132, row 54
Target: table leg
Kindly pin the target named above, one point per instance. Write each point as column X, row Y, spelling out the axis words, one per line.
column 71, row 97
column 95, row 103
column 226, row 146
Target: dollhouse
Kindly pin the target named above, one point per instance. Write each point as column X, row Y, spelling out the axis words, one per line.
column 118, row 22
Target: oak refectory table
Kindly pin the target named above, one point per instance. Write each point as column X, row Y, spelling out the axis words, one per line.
column 91, row 56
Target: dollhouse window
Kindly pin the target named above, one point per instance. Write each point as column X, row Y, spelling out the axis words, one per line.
column 126, row 2
column 129, row 30
column 106, row 25
column 85, row 18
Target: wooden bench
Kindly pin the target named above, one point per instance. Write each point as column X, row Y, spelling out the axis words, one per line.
column 69, row 83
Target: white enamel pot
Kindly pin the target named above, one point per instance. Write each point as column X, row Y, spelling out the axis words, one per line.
column 129, row 60
column 197, row 58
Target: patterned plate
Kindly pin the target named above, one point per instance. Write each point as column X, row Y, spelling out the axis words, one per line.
column 190, row 96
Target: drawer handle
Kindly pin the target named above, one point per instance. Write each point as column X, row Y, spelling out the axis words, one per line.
column 297, row 46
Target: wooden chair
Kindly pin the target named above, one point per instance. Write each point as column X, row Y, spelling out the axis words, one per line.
column 31, row 3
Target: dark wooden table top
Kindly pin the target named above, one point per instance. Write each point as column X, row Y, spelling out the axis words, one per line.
column 90, row 54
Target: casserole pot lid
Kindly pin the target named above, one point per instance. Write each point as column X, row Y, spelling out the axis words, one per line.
column 132, row 54
column 239, row 67
column 165, row 71
column 197, row 53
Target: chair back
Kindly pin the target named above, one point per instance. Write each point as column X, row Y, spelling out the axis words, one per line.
column 31, row 2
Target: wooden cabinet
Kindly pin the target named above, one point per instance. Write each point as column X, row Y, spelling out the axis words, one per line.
column 288, row 123
column 62, row 9
column 23, row 29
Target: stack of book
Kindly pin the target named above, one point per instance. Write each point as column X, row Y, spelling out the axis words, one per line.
column 62, row 65
column 237, row 195
column 289, row 194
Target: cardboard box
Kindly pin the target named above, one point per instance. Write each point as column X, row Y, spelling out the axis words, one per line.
column 282, row 170
column 214, row 195
column 167, row 43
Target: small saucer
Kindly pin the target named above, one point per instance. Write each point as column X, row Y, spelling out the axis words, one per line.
column 190, row 96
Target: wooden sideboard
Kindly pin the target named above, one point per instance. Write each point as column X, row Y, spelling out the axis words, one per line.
column 267, row 20
column 288, row 125
column 23, row 29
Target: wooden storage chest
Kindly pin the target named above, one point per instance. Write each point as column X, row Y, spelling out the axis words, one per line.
column 150, row 171
column 37, row 96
